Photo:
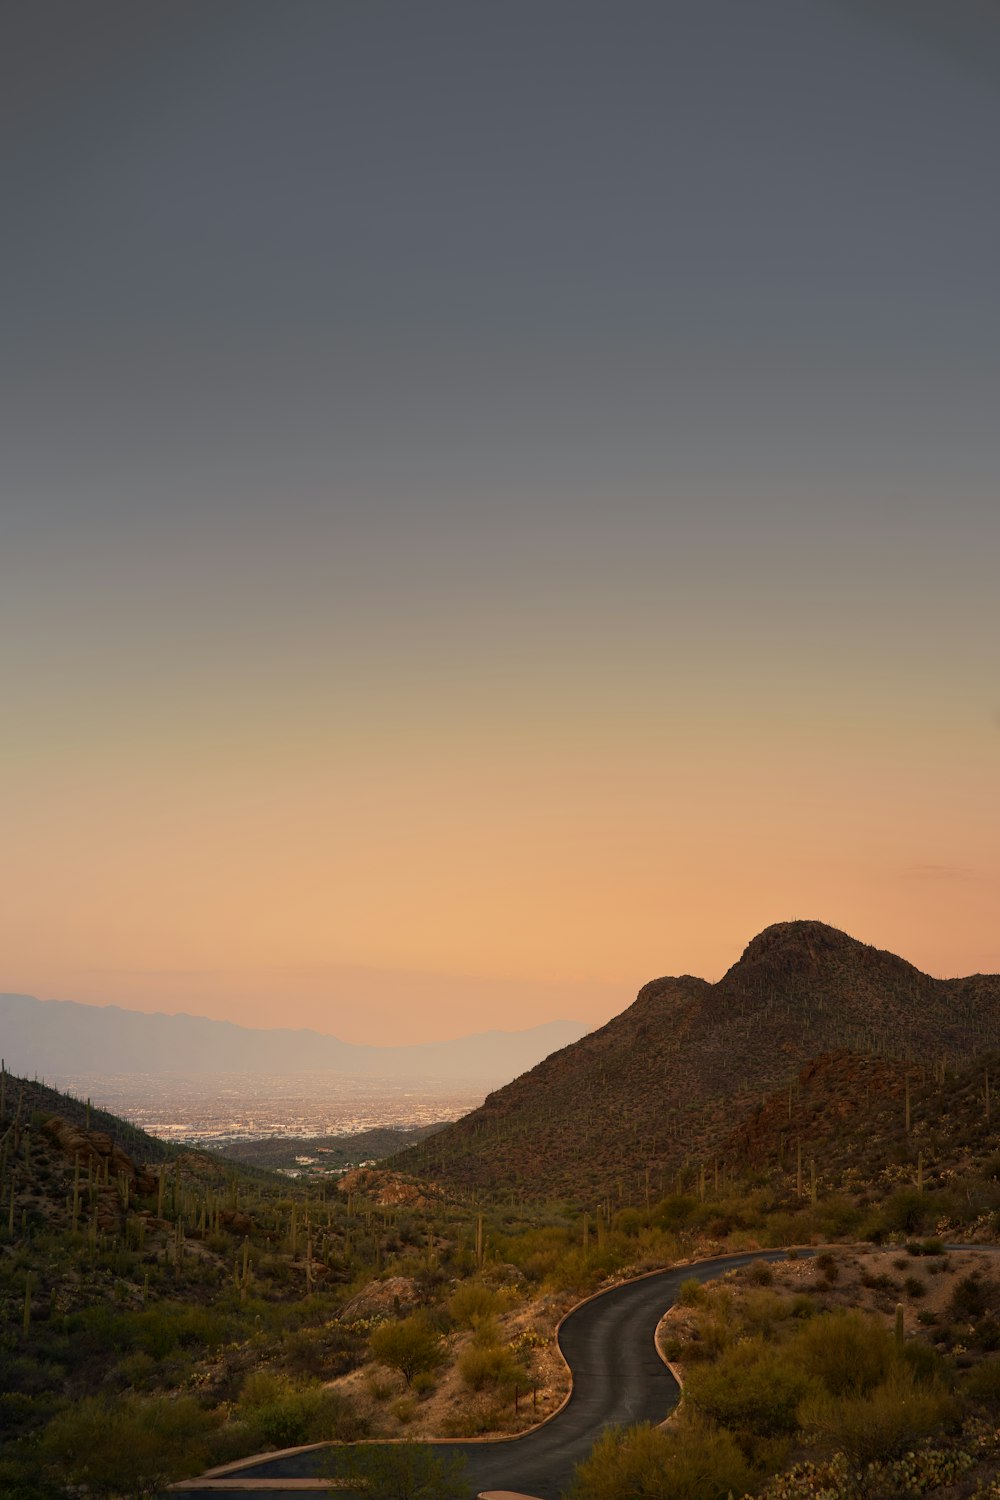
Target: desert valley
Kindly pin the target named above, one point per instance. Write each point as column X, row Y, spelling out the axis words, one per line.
column 173, row 1312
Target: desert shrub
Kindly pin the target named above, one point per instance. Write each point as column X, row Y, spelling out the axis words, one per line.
column 914, row 1287
column 716, row 1332
column 760, row 1274
column 129, row 1447
column 982, row 1383
column 847, row 1352
column 675, row 1211
column 486, row 1334
column 404, row 1471
column 404, row 1409
column 490, row 1366
column 628, row 1221
column 881, row 1423
column 409, row 1346
column 692, row 1293
column 275, row 1412
column 20, row 1479
column 827, row 1263
column 320, row 1352
column 925, row 1363
column 878, row 1281
column 763, row 1311
column 971, row 1298
column 987, row 1334
column 905, row 1211
column 473, row 1301
column 837, row 1215
column 751, row 1387
column 580, row 1270
column 691, row 1461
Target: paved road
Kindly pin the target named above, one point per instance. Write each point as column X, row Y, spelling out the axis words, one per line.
column 618, row 1379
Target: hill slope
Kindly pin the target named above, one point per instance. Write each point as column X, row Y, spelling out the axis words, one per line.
column 671, row 1077
column 21, row 1099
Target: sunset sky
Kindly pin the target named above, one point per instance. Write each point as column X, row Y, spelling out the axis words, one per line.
column 499, row 500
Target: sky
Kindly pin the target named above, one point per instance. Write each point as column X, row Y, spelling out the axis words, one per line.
column 499, row 500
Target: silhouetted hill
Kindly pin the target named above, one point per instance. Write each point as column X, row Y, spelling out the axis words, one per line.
column 672, row 1077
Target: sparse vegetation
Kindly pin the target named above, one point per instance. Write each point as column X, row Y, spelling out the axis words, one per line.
column 268, row 1314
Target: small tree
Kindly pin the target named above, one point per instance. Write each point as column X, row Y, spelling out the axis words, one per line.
column 410, row 1346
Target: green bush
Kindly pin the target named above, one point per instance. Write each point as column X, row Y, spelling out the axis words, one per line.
column 690, row 1461
column 972, row 1298
column 128, row 1447
column 493, row 1365
column 760, row 1273
column 883, row 1422
column 486, row 1334
column 472, row 1302
column 847, row 1352
column 675, row 1211
column 404, row 1471
column 751, row 1388
column 827, row 1263
column 409, row 1346
column 982, row 1383
column 906, row 1211
column 274, row 1412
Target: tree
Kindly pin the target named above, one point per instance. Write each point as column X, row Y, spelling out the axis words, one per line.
column 410, row 1346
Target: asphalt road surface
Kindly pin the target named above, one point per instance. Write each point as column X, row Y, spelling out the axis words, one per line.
column 618, row 1380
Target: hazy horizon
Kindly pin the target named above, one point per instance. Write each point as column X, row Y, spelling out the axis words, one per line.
column 499, row 500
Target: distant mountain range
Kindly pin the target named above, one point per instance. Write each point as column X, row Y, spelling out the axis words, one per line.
column 56, row 1038
column 675, row 1077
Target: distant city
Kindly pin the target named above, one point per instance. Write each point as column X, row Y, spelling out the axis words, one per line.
column 243, row 1107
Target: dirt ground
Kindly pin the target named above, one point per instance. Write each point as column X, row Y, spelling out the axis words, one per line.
column 450, row 1409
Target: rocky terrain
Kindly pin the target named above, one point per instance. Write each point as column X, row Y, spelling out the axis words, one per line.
column 674, row 1077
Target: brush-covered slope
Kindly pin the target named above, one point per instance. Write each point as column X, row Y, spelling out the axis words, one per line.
column 28, row 1102
column 669, row 1079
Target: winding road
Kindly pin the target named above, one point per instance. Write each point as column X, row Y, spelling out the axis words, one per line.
column 618, row 1379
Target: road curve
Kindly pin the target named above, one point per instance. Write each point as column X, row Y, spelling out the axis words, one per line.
column 618, row 1379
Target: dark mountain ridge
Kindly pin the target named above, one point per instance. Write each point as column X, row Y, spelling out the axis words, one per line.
column 670, row 1078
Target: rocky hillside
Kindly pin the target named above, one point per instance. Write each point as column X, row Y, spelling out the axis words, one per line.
column 670, row 1079
column 27, row 1101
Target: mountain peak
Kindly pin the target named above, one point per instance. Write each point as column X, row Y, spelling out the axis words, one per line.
column 668, row 1080
column 798, row 935
column 803, row 948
